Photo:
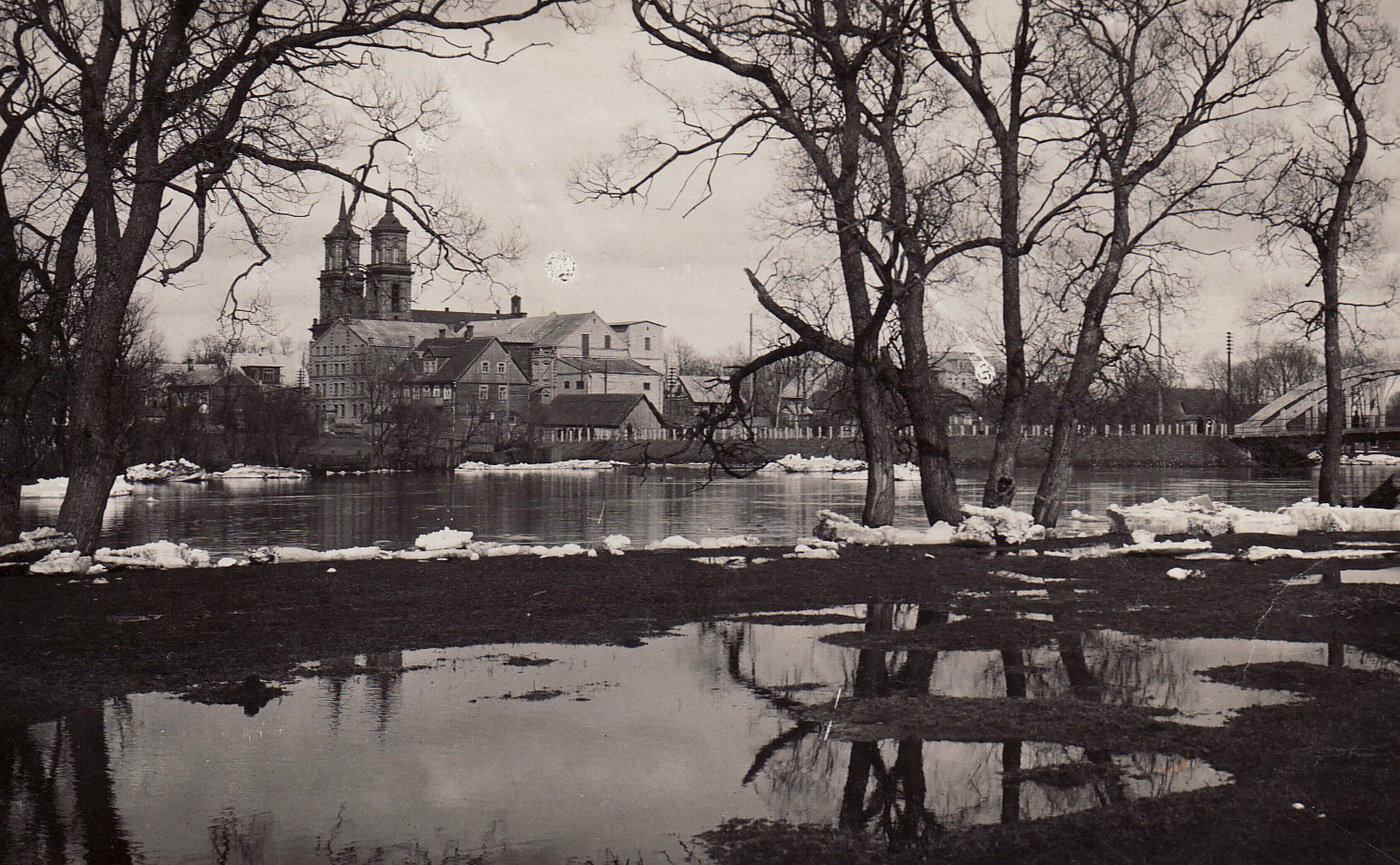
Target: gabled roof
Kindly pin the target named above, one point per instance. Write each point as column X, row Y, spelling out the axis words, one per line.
column 607, row 365
column 594, row 409
column 705, row 389
column 393, row 333
column 551, row 329
column 189, row 374
column 459, row 356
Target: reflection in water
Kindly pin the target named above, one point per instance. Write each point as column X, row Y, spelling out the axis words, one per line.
column 580, row 507
column 585, row 751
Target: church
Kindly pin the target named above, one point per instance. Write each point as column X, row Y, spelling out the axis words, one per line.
column 371, row 350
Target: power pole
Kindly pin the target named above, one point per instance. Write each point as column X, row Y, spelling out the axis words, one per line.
column 1229, row 382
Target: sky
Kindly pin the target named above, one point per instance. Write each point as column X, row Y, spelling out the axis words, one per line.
column 525, row 127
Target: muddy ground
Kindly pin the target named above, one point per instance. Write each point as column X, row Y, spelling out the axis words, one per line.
column 1335, row 754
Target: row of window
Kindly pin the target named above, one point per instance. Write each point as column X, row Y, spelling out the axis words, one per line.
column 444, row 391
column 582, row 384
column 358, row 411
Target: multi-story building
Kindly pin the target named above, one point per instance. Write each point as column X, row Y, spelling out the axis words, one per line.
column 367, row 324
column 582, row 352
column 476, row 383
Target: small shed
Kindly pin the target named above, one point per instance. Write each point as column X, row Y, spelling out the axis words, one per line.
column 590, row 416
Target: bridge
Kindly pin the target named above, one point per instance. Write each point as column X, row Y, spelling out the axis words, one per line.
column 1299, row 416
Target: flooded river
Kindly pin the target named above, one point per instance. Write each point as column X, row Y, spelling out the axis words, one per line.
column 229, row 517
column 535, row 754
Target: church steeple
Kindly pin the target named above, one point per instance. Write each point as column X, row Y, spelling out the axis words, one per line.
column 342, row 277
column 389, row 277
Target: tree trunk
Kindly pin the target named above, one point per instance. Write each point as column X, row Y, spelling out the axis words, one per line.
column 874, row 405
column 1001, row 475
column 1329, row 472
column 94, row 445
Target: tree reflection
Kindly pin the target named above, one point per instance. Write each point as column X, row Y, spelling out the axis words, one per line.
column 57, row 794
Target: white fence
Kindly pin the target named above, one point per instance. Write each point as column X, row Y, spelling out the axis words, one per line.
column 850, row 432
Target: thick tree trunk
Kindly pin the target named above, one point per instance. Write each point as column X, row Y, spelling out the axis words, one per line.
column 94, row 444
column 1001, row 475
column 875, row 407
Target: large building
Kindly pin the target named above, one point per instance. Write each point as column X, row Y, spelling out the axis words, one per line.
column 367, row 329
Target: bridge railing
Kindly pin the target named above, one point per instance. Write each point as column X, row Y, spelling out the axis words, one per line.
column 1317, row 425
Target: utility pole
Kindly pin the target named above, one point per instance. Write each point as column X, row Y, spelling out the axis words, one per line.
column 1161, row 370
column 1230, row 382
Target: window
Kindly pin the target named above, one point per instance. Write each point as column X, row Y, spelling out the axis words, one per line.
column 646, row 344
column 500, row 367
column 483, row 392
column 566, row 385
column 646, row 385
column 485, row 367
column 584, row 340
column 583, row 384
column 502, row 392
column 607, row 341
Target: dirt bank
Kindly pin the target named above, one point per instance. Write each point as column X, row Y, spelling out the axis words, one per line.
column 69, row 645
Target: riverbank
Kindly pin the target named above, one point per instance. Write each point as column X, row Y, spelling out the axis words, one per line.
column 968, row 452
column 71, row 645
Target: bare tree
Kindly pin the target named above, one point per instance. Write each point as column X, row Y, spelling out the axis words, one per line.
column 1150, row 80
column 839, row 84
column 151, row 120
column 1324, row 196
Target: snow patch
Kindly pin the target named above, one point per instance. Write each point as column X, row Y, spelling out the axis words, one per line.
column 1262, row 554
column 57, row 488
column 674, row 542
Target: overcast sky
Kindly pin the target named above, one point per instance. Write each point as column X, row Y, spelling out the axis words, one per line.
column 526, row 126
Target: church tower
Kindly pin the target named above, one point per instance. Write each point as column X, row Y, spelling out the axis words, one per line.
column 342, row 278
column 389, row 277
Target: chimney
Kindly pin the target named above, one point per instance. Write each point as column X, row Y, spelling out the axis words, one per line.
column 468, row 331
column 515, row 305
column 442, row 333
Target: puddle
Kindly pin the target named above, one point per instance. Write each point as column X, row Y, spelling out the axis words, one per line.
column 527, row 754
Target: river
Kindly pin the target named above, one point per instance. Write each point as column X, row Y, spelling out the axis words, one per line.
column 229, row 517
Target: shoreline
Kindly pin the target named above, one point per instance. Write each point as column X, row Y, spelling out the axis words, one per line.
column 75, row 645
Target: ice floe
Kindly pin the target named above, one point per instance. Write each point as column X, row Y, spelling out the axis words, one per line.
column 471, row 466
column 1262, row 553
column 989, row 526
column 1311, row 516
column 1198, row 515
column 1369, row 459
column 163, row 555
column 802, row 551
column 832, row 526
column 616, row 544
column 443, row 539
column 168, row 471
column 677, row 542
column 846, row 469
column 58, row 562
column 57, row 488
column 241, row 472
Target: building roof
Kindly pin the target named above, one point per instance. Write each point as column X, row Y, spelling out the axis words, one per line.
column 392, row 333
column 620, row 325
column 342, row 227
column 593, row 409
column 389, row 222
column 189, row 374
column 460, row 356
column 453, row 318
column 705, row 389
column 607, row 365
column 550, row 329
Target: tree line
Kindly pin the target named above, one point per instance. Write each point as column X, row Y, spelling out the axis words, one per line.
column 1064, row 154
